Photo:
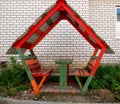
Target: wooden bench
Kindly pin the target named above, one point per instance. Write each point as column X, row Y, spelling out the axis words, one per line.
column 86, row 71
column 35, row 68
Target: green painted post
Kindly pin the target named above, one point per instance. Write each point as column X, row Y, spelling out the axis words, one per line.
column 63, row 63
column 31, row 78
column 85, row 87
column 63, row 73
column 32, row 52
column 78, row 81
column 24, row 64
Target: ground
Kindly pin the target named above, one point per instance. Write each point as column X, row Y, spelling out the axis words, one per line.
column 93, row 96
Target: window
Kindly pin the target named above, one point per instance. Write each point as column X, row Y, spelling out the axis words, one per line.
column 118, row 22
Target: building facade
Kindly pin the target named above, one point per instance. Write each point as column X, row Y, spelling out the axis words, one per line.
column 63, row 42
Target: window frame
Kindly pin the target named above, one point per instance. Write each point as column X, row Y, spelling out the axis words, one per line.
column 117, row 36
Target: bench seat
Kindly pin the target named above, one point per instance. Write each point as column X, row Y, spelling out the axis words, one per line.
column 81, row 72
column 42, row 72
column 37, row 72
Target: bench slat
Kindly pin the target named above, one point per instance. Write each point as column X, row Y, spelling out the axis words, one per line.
column 32, row 61
column 81, row 72
column 34, row 66
column 84, row 72
column 91, row 63
column 42, row 72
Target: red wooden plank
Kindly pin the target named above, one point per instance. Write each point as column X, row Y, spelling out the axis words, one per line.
column 98, row 61
column 31, row 61
column 35, row 66
column 95, row 52
column 44, row 34
column 26, row 45
column 84, row 72
column 81, row 72
column 43, row 20
column 61, row 9
column 76, row 72
column 39, row 32
column 44, row 72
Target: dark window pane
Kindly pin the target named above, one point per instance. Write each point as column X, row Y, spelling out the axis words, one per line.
column 118, row 15
column 118, row 10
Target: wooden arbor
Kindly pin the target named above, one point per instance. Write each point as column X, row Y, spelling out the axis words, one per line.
column 46, row 22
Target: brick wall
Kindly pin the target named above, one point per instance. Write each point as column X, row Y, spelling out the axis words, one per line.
column 102, row 18
column 63, row 41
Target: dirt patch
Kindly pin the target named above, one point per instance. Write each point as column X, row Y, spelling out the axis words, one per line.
column 93, row 96
column 105, row 95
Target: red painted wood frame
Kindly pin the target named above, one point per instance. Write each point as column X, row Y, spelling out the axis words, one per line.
column 22, row 43
column 35, row 27
column 83, row 25
column 45, row 33
column 62, row 6
column 96, row 48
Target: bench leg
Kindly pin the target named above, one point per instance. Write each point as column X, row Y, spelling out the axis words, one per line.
column 35, row 87
column 85, row 87
column 48, row 76
column 41, row 82
column 32, row 80
column 78, row 81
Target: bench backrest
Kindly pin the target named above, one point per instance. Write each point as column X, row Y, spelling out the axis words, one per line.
column 33, row 65
column 91, row 63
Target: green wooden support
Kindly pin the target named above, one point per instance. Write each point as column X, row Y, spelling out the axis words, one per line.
column 24, row 64
column 63, row 63
column 85, row 87
column 30, row 57
column 32, row 52
column 31, row 78
column 63, row 73
column 78, row 81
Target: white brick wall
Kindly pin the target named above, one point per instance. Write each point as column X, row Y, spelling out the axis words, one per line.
column 63, row 41
column 103, row 19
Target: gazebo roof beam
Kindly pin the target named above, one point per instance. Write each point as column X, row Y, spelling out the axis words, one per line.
column 82, row 33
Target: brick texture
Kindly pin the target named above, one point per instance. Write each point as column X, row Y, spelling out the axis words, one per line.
column 63, row 42
column 102, row 18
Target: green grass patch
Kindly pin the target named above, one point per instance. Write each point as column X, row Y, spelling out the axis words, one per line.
column 13, row 78
column 107, row 76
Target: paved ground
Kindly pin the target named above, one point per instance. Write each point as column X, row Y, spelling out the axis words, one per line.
column 73, row 88
column 12, row 101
